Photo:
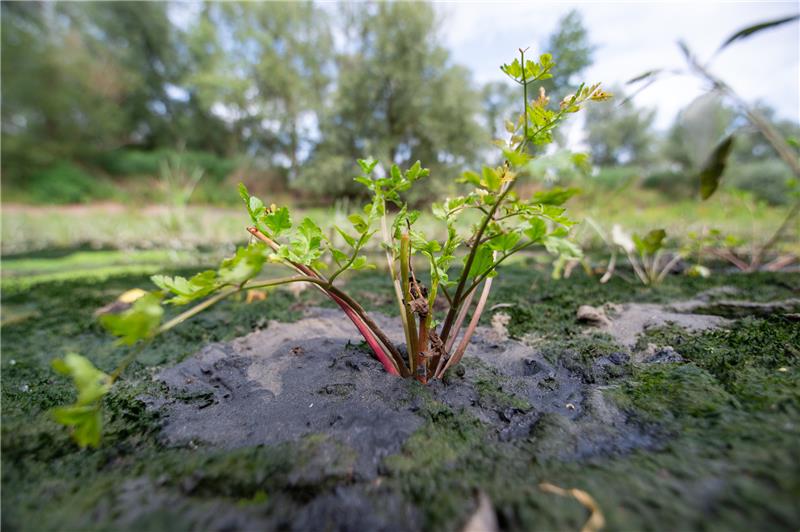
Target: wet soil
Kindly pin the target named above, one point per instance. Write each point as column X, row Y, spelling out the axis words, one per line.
column 309, row 377
column 213, row 428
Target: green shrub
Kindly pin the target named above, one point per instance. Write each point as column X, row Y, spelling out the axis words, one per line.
column 66, row 183
column 148, row 163
column 680, row 184
column 613, row 177
column 766, row 180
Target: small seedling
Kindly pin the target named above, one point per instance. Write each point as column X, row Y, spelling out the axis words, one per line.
column 457, row 271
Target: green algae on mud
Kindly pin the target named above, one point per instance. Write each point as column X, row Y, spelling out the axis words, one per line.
column 728, row 421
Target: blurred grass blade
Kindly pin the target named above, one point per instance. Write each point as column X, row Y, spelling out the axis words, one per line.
column 712, row 171
column 596, row 521
column 750, row 30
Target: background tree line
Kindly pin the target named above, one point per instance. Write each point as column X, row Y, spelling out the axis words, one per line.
column 98, row 95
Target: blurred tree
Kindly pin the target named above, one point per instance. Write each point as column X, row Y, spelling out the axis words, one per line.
column 61, row 98
column 398, row 99
column 570, row 46
column 618, row 133
column 267, row 78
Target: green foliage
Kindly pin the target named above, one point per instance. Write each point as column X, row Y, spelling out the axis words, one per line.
column 84, row 416
column 508, row 224
column 66, row 183
column 139, row 322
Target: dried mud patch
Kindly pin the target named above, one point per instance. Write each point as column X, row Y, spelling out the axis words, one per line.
column 293, row 380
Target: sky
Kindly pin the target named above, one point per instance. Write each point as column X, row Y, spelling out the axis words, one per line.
column 634, row 37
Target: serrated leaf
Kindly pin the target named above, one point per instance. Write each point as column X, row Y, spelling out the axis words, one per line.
column 367, row 165
column 554, row 196
column 140, row 321
column 714, row 167
column 359, row 223
column 504, row 242
column 484, row 258
column 86, row 420
column 396, row 174
column 278, row 221
column 537, row 229
column 516, row 158
column 491, row 179
column 244, row 265
column 256, row 206
column 306, row 245
column 185, row 290
column 470, row 177
column 91, row 383
column 367, row 182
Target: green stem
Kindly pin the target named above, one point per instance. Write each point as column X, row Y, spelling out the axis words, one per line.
column 409, row 324
column 462, row 281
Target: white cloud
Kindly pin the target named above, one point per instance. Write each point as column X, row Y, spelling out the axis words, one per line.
column 633, row 37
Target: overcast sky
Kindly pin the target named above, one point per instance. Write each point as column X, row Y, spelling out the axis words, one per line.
column 633, row 37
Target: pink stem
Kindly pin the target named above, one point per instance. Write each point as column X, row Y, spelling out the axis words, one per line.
column 380, row 354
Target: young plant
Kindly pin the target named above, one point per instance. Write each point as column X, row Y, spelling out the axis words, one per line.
column 646, row 255
column 458, row 270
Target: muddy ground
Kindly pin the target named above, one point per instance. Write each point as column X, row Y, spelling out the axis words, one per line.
column 679, row 412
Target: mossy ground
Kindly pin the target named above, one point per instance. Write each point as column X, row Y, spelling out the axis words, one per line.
column 729, row 415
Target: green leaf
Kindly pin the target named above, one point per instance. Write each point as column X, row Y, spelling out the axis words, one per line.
column 140, row 321
column 339, row 256
column 582, row 162
column 554, row 196
column 185, row 290
column 516, row 158
column 470, row 177
column 367, row 182
column 244, row 265
column 537, row 229
column 91, row 383
column 306, row 245
column 714, row 167
column 255, row 206
column 491, row 179
column 750, row 30
column 359, row 223
column 367, row 165
column 244, row 194
column 483, row 260
column 513, row 70
column 87, row 423
column 361, row 264
column 414, row 172
column 278, row 221
column 651, row 243
column 562, row 247
column 396, row 174
column 504, row 242
column 347, row 238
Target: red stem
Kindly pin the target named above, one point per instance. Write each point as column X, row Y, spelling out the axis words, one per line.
column 377, row 348
column 380, row 354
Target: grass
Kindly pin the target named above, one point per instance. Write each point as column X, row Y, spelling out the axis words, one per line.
column 26, row 228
